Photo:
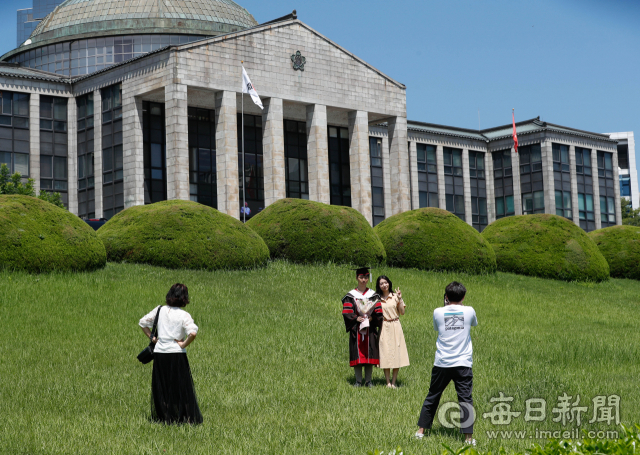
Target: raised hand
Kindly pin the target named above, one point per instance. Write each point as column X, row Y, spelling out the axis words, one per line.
column 399, row 293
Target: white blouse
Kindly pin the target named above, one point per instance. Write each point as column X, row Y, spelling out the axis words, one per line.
column 173, row 324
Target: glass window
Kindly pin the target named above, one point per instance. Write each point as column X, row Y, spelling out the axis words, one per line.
column 427, row 176
column 562, row 180
column 202, row 157
column 478, row 188
column 377, row 180
column 253, row 165
column 453, row 181
column 295, row 151
column 14, row 134
column 85, row 148
column 339, row 166
column 531, row 180
column 607, row 186
column 112, row 151
column 503, row 183
column 54, row 144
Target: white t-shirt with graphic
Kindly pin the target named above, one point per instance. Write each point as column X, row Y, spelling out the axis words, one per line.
column 453, row 323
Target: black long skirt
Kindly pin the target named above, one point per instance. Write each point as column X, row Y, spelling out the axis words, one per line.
column 173, row 397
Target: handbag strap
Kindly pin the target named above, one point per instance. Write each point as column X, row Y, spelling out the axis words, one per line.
column 154, row 330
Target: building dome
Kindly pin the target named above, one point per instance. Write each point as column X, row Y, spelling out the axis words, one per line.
column 90, row 18
column 78, row 23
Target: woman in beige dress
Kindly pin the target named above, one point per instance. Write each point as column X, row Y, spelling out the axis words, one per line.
column 393, row 349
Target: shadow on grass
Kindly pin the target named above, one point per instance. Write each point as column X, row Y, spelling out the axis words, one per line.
column 377, row 382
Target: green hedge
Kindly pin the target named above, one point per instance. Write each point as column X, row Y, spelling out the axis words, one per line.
column 547, row 246
column 182, row 234
column 37, row 236
column 305, row 232
column 434, row 239
column 620, row 246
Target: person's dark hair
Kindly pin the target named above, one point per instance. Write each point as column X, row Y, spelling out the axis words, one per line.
column 455, row 292
column 378, row 290
column 178, row 295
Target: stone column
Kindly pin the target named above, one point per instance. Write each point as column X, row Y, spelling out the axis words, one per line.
column 488, row 177
column 318, row 154
column 413, row 169
column 547, row 177
column 227, row 154
column 399, row 156
column 72, row 155
column 616, row 187
column 466, row 177
column 360, row 163
column 517, row 189
column 133, row 158
column 442, row 198
column 273, row 151
column 177, row 131
column 386, row 177
column 97, row 152
column 574, row 185
column 596, row 188
column 34, row 140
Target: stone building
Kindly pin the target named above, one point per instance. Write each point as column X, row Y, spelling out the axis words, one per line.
column 116, row 103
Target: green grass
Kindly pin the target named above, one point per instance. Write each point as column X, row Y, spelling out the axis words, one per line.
column 270, row 363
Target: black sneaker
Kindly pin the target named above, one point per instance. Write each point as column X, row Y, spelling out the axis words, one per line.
column 369, row 384
column 357, row 384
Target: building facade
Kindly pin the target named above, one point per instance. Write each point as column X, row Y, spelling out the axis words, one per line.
column 29, row 18
column 162, row 121
column 627, row 167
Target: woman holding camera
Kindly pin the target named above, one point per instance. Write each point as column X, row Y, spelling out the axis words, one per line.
column 173, row 397
column 393, row 349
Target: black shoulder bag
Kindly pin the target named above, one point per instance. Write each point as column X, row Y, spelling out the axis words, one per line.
column 146, row 355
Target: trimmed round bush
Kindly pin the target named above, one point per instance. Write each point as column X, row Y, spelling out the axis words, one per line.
column 620, row 246
column 547, row 246
column 37, row 236
column 434, row 239
column 182, row 235
column 305, row 232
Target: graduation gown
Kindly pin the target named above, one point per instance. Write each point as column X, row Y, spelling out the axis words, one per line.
column 363, row 344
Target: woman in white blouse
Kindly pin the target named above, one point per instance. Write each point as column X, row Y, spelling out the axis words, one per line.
column 173, row 397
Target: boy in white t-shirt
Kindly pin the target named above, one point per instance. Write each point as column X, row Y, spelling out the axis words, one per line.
column 453, row 360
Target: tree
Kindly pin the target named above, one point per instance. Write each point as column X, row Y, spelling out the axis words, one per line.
column 630, row 215
column 12, row 184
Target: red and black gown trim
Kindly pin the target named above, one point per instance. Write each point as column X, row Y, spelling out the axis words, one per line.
column 362, row 351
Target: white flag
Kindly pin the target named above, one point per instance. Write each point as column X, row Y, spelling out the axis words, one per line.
column 247, row 87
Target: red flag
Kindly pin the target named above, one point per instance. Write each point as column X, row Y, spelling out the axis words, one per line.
column 515, row 135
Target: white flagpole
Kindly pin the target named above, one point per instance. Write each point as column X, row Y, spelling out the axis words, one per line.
column 244, row 208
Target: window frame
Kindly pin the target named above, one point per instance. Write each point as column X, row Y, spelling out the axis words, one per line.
column 112, row 146
column 295, row 153
column 454, row 191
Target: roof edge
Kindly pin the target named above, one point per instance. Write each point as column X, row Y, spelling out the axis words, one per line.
column 284, row 22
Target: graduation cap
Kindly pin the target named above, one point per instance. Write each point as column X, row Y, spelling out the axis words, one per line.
column 363, row 271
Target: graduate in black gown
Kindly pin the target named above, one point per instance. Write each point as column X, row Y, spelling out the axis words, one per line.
column 362, row 313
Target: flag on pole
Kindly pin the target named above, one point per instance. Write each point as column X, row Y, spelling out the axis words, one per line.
column 247, row 87
column 515, row 136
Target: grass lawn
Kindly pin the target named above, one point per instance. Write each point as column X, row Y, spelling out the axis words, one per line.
column 270, row 363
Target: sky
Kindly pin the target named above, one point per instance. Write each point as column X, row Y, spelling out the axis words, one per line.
column 467, row 63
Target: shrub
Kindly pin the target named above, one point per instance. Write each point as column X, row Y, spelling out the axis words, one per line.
column 547, row 246
column 304, row 231
column 434, row 239
column 36, row 236
column 182, row 234
column 620, row 246
column 12, row 184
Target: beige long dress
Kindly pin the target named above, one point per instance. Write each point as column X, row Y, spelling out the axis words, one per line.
column 393, row 349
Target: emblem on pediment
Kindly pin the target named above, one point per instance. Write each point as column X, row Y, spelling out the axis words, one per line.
column 298, row 61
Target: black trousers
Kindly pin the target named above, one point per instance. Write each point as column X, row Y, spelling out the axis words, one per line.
column 440, row 377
